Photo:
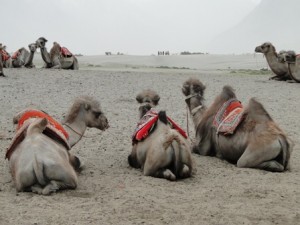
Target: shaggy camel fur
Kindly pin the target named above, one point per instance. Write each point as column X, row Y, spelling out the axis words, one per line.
column 258, row 142
column 43, row 165
column 279, row 68
column 164, row 153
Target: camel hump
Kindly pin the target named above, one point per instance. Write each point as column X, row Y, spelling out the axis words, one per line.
column 257, row 111
column 227, row 93
column 38, row 126
column 162, row 116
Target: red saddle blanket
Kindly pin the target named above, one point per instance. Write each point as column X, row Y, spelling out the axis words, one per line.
column 5, row 55
column 146, row 125
column 65, row 52
column 228, row 117
column 16, row 54
column 53, row 130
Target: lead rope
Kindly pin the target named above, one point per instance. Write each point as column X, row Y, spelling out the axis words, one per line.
column 187, row 121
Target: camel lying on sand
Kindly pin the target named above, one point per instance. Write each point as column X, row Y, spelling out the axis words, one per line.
column 165, row 152
column 293, row 62
column 246, row 136
column 279, row 68
column 5, row 60
column 59, row 57
column 39, row 156
column 24, row 58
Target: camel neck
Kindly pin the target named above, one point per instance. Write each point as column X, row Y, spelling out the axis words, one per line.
column 76, row 131
column 28, row 61
column 45, row 55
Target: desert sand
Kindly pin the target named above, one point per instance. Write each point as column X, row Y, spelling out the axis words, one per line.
column 111, row 192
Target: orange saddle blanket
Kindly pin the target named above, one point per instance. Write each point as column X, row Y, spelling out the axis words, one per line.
column 228, row 117
column 54, row 130
column 147, row 124
column 65, row 52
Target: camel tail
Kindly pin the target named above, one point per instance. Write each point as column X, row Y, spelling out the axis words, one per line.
column 287, row 146
column 38, row 126
column 39, row 171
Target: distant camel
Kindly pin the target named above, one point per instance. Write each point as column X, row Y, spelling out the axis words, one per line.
column 58, row 58
column 279, row 68
column 293, row 62
column 24, row 58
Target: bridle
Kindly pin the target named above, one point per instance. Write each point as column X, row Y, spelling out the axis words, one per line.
column 193, row 111
column 75, row 131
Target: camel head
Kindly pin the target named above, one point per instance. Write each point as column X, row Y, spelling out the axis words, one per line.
column 86, row 109
column 41, row 42
column 265, row 48
column 148, row 99
column 32, row 47
column 193, row 88
column 287, row 56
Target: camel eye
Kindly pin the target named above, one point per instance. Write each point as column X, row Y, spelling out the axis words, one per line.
column 97, row 114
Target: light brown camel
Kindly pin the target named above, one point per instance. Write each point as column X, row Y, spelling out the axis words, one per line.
column 41, row 162
column 293, row 62
column 24, row 58
column 279, row 68
column 165, row 153
column 257, row 142
column 58, row 57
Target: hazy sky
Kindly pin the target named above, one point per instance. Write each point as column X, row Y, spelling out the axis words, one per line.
column 92, row 27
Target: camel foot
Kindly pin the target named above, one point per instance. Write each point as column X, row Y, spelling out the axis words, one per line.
column 52, row 187
column 165, row 173
column 37, row 189
column 185, row 172
column 272, row 166
column 2, row 75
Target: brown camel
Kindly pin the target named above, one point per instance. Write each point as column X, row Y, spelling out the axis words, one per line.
column 59, row 57
column 293, row 62
column 257, row 142
column 39, row 158
column 279, row 68
column 165, row 153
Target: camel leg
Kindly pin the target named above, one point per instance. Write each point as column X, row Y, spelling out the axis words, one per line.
column 61, row 176
column 262, row 157
column 37, row 189
column 132, row 158
column 154, row 166
column 202, row 147
column 75, row 162
column 24, row 179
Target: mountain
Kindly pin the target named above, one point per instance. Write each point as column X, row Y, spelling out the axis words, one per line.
column 272, row 20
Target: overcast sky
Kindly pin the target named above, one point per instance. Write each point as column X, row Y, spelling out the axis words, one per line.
column 140, row 27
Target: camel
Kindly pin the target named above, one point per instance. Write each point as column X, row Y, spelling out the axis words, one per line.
column 24, row 58
column 165, row 153
column 58, row 58
column 293, row 62
column 279, row 68
column 5, row 60
column 256, row 142
column 39, row 156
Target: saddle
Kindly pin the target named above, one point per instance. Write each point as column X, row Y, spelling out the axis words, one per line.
column 5, row 55
column 16, row 54
column 147, row 125
column 54, row 130
column 228, row 117
column 65, row 52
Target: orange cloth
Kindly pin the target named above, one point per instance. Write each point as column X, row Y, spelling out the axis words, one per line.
column 39, row 114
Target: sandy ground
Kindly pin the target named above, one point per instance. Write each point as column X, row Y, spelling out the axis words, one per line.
column 109, row 191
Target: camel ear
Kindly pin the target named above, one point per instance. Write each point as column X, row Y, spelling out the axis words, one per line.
column 156, row 99
column 139, row 98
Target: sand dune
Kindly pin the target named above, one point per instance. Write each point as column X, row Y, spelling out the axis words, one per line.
column 109, row 191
